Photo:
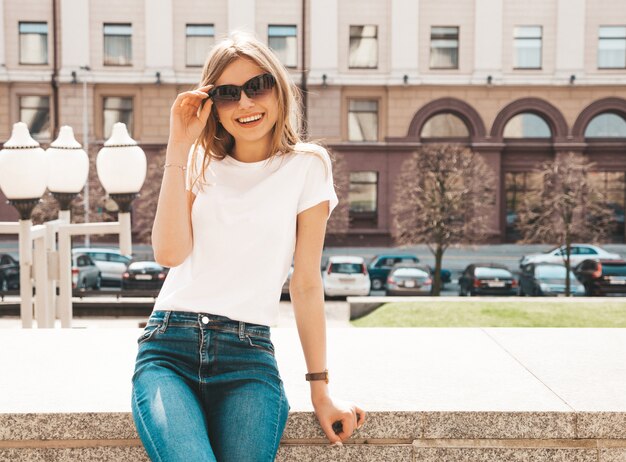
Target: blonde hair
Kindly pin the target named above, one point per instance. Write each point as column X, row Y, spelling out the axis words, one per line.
column 214, row 139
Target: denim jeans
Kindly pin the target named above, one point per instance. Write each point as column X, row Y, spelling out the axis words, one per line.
column 207, row 388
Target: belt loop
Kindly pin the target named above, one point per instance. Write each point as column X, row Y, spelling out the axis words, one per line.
column 166, row 319
column 242, row 328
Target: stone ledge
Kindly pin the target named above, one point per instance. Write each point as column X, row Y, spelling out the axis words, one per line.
column 382, row 425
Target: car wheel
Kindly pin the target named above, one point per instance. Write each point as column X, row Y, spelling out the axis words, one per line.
column 83, row 284
column 377, row 284
column 98, row 283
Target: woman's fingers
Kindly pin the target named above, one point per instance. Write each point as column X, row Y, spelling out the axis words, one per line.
column 360, row 415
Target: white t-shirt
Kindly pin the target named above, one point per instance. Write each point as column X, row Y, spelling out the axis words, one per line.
column 244, row 234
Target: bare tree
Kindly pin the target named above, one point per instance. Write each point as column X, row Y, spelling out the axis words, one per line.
column 444, row 196
column 339, row 219
column 566, row 208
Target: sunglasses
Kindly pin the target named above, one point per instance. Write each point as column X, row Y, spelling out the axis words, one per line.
column 256, row 87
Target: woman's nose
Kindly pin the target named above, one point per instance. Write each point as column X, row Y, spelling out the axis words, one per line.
column 245, row 102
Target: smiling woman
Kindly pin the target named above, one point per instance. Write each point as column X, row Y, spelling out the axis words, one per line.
column 242, row 187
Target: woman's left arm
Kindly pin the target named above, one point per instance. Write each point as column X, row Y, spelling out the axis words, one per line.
column 307, row 297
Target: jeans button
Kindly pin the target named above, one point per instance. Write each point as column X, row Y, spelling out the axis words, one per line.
column 205, row 319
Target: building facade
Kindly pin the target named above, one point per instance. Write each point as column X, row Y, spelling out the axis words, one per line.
column 519, row 82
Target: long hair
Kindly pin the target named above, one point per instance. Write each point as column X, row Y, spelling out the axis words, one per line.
column 215, row 141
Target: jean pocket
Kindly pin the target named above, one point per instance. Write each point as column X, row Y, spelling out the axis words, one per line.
column 261, row 343
column 147, row 333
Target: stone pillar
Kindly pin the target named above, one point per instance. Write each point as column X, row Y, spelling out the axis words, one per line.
column 159, row 40
column 404, row 38
column 324, row 44
column 241, row 15
column 488, row 40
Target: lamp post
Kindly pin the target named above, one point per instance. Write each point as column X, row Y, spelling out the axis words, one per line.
column 21, row 153
column 64, row 168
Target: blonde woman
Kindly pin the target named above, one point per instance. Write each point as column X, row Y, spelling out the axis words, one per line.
column 241, row 196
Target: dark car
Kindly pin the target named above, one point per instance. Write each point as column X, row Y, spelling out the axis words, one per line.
column 144, row 275
column 9, row 273
column 409, row 279
column 487, row 279
column 380, row 265
column 602, row 277
column 547, row 279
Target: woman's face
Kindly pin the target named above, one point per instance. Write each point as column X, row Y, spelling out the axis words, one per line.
column 254, row 129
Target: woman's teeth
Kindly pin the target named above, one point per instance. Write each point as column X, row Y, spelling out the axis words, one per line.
column 253, row 118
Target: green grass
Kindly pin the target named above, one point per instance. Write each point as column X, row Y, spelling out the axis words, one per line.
column 528, row 313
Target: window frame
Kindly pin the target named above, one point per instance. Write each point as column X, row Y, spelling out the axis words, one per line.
column 36, row 136
column 443, row 37
column 104, row 37
column 211, row 25
column 364, row 217
column 375, row 38
column 349, row 111
column 19, row 40
column 295, row 27
column 623, row 38
column 515, row 49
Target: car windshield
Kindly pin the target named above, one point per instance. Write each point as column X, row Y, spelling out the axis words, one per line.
column 613, row 270
column 412, row 272
column 483, row 272
column 552, row 272
column 346, row 268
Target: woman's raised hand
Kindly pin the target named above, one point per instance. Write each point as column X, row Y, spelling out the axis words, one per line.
column 186, row 120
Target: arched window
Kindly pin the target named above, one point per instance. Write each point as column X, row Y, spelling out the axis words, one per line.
column 527, row 125
column 606, row 125
column 444, row 125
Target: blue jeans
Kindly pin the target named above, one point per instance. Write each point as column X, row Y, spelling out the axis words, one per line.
column 207, row 388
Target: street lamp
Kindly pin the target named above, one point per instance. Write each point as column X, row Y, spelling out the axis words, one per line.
column 21, row 153
column 63, row 168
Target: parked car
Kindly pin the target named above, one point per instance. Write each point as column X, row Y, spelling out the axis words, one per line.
column 85, row 273
column 602, row 277
column 346, row 275
column 547, row 279
column 380, row 265
column 578, row 253
column 111, row 262
column 9, row 273
column 144, row 275
column 487, row 279
column 409, row 279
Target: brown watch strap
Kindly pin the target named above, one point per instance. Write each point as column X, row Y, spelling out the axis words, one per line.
column 317, row 376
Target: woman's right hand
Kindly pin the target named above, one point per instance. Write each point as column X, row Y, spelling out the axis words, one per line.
column 186, row 123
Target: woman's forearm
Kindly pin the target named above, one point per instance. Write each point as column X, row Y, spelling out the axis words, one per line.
column 308, row 306
column 171, row 232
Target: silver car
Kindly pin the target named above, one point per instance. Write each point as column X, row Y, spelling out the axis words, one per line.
column 85, row 273
column 111, row 262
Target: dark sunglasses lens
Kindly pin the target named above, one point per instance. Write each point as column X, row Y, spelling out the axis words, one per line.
column 226, row 93
column 259, row 85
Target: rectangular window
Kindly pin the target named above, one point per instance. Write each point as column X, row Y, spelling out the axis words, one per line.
column 117, row 109
column 200, row 38
column 612, row 47
column 363, row 199
column 444, row 47
column 363, row 47
column 527, row 47
column 117, row 45
column 35, row 112
column 283, row 41
column 33, row 42
column 363, row 120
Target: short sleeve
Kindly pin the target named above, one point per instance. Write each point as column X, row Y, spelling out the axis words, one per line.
column 318, row 183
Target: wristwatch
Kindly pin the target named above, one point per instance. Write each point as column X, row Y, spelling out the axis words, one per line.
column 317, row 376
